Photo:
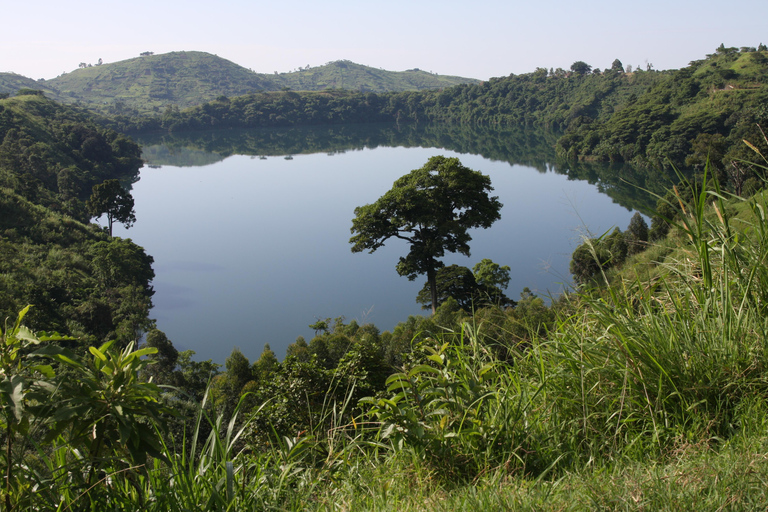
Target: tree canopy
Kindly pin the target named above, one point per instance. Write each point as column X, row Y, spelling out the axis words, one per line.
column 581, row 68
column 432, row 208
column 112, row 199
column 483, row 285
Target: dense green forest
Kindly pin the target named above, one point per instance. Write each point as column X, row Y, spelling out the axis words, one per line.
column 644, row 388
column 81, row 281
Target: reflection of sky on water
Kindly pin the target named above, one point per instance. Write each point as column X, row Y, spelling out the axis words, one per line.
column 250, row 251
column 188, row 266
column 169, row 296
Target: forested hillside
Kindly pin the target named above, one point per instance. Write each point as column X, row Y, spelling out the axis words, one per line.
column 703, row 110
column 79, row 280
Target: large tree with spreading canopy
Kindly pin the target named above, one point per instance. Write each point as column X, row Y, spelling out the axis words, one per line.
column 112, row 199
column 432, row 208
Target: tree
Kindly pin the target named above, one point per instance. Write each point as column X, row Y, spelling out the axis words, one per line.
column 112, row 199
column 636, row 234
column 432, row 208
column 266, row 365
column 492, row 279
column 453, row 281
column 617, row 66
column 163, row 369
column 598, row 254
column 581, row 68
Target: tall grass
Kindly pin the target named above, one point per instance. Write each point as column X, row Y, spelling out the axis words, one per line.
column 650, row 393
column 649, row 363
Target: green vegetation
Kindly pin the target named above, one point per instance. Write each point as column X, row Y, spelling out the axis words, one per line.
column 344, row 74
column 432, row 208
column 53, row 155
column 149, row 83
column 82, row 282
column 482, row 286
column 648, row 392
column 111, row 199
column 644, row 388
column 648, row 118
column 704, row 110
column 11, row 83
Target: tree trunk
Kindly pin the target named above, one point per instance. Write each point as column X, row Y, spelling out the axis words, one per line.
column 432, row 288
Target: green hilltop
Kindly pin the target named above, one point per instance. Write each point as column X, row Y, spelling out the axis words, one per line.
column 152, row 82
column 343, row 74
column 10, row 83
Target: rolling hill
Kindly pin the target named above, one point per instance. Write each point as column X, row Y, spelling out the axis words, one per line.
column 152, row 82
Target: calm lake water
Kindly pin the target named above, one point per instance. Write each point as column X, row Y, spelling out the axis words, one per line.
column 252, row 250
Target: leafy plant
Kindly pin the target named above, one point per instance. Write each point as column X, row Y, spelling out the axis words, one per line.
column 105, row 407
column 459, row 407
column 25, row 389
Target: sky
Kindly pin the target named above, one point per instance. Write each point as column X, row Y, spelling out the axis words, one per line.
column 478, row 39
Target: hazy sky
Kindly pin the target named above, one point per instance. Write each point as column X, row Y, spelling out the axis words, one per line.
column 478, row 39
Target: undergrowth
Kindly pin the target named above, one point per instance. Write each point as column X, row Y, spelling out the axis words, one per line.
column 651, row 395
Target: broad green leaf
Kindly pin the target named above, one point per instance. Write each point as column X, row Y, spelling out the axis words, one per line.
column 54, row 336
column 60, row 354
column 395, row 377
column 24, row 333
column 96, row 352
column 422, row 368
column 436, row 358
column 145, row 351
column 21, row 316
column 45, row 369
column 105, row 346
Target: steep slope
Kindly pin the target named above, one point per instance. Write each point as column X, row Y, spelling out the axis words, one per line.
column 80, row 281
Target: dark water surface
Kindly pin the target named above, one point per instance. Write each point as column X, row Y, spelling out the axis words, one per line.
column 252, row 250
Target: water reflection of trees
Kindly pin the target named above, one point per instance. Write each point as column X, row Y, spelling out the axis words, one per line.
column 518, row 146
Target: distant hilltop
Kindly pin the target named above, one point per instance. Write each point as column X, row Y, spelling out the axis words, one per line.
column 152, row 82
